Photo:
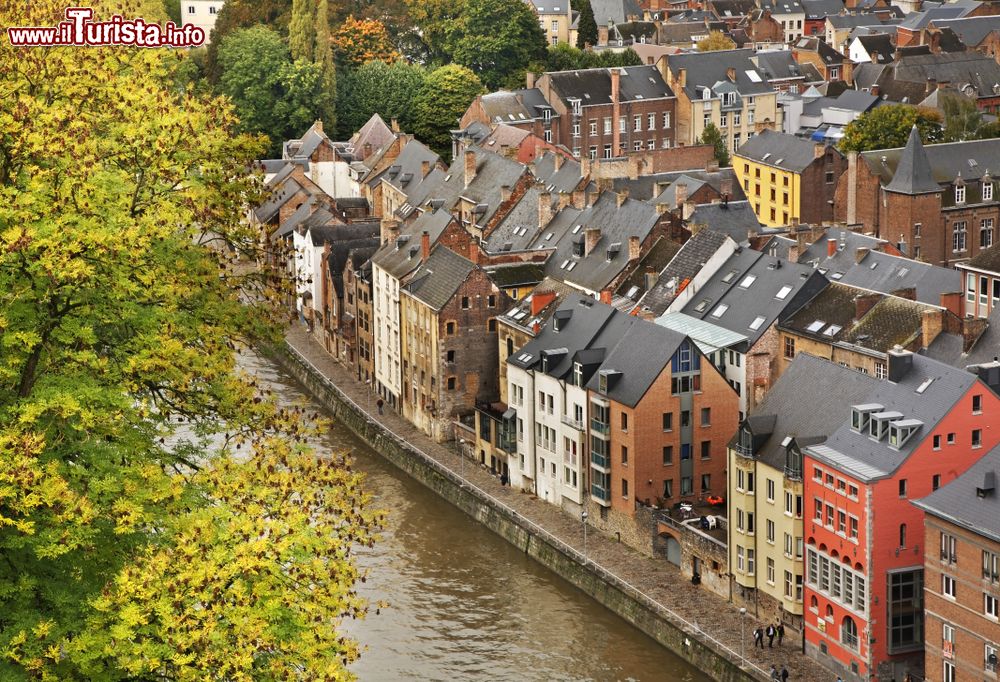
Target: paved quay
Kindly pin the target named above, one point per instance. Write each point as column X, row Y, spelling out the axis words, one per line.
column 655, row 578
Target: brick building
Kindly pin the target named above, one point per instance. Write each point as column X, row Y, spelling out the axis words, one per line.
column 962, row 575
column 903, row 436
column 937, row 204
column 982, row 283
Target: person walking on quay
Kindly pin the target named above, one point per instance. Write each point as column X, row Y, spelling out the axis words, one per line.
column 781, row 632
column 770, row 636
column 784, row 674
column 840, row 679
column 774, row 673
column 758, row 637
column 379, row 403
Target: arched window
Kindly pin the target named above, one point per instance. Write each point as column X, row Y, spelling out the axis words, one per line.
column 902, row 535
column 849, row 633
column 829, row 613
column 814, row 604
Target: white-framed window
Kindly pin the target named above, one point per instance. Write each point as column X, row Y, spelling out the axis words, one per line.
column 637, row 123
column 607, row 125
column 770, row 571
column 651, row 122
column 770, row 490
column 750, row 561
column 622, row 124
column 548, row 136
column 740, row 560
column 990, row 656
column 948, row 587
column 987, row 191
column 637, row 146
column 986, row 233
column 651, row 144
column 948, row 672
column 666, row 120
column 991, row 606
column 770, row 531
column 959, row 194
column 958, row 236
column 576, row 129
column 736, row 118
column 593, row 127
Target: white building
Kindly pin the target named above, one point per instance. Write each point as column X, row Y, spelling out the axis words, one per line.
column 201, row 13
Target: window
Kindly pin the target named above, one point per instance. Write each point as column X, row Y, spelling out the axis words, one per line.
column 450, row 356
column 977, row 438
column 818, row 510
column 637, row 123
column 740, row 566
column 948, row 672
column 935, row 481
column 951, row 439
column 625, row 422
column 685, row 418
column 637, row 146
column 706, row 482
column 723, row 120
column 707, row 119
column 706, row 449
column 607, row 125
column 854, row 527
column 990, row 659
column 937, row 442
column 576, row 129
column 986, row 233
column 668, row 455
column 190, row 9
column 706, row 416
column 769, row 527
column 789, row 347
column 902, row 487
column 788, row 503
column 770, row 571
column 449, row 328
column 977, row 404
column 465, row 303
column 991, row 567
column 651, row 122
column 991, row 606
column 958, row 236
column 949, row 548
column 959, row 194
column 491, row 324
column 849, row 633
column 547, row 135
column 881, row 371
column 750, row 558
column 622, row 124
column 902, row 535
column 451, row 383
column 593, row 127
column 666, row 119
column 607, row 151
column 668, row 421
column 736, row 118
column 948, row 586
column 687, row 485
column 770, row 490
column 736, row 142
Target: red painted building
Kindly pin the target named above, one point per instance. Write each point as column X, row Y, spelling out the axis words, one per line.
column 919, row 428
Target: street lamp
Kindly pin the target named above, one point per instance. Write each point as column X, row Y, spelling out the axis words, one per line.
column 461, row 455
column 368, row 385
column 583, row 518
column 743, row 620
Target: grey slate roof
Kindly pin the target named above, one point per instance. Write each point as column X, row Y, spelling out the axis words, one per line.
column 987, row 260
column 519, row 228
column 520, row 315
column 818, row 9
column 782, row 7
column 682, row 268
column 618, row 11
column 401, row 257
column 493, row 171
column 657, row 258
column 564, row 179
column 959, row 502
column 858, row 455
column 439, row 277
column 374, row 132
column 879, row 47
column 971, row 159
column 961, row 69
column 708, row 68
column 780, row 64
column 746, row 299
column 792, row 406
column 949, row 348
column 516, row 106
column 780, row 150
column 971, row 30
column 735, row 218
column 640, row 356
column 952, row 10
column 593, row 86
column 913, row 172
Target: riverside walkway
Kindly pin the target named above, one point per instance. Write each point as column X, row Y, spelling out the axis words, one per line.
column 656, row 579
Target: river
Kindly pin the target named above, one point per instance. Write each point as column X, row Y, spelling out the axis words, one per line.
column 466, row 605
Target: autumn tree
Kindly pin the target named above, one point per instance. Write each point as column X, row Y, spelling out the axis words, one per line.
column 379, row 88
column 302, row 30
column 160, row 517
column 888, row 126
column 358, row 41
column 963, row 121
column 446, row 94
column 713, row 136
column 716, row 40
column 498, row 39
column 437, row 21
column 586, row 33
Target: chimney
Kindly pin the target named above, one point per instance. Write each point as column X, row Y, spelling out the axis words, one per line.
column 682, row 77
column 731, row 74
column 592, row 197
column 606, row 296
column 616, row 110
column 931, row 324
column 529, row 80
column 931, row 86
column 634, row 248
column 368, row 149
column 425, row 245
column 564, row 199
column 860, row 254
column 474, row 252
column 876, row 91
column 688, row 210
column 540, row 299
column 972, row 329
column 591, row 236
column 865, row 302
column 425, row 168
column 900, row 361
column 831, row 248
column 952, row 302
column 505, row 193
column 558, row 160
column 621, row 197
column 909, row 293
column 852, row 187
column 389, row 230
column 470, row 166
column 578, row 198
column 394, row 125
column 602, row 36
column 318, row 125
column 544, row 209
column 726, row 188
column 819, row 149
column 680, row 194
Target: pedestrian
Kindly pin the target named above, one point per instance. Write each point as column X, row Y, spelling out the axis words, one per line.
column 840, row 679
column 781, row 632
column 907, row 677
column 774, row 673
column 784, row 674
column 770, row 636
column 379, row 403
column 758, row 638
column 504, row 481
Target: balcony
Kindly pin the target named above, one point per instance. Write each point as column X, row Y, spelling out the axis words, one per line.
column 600, row 461
column 793, row 473
column 600, row 494
column 744, row 451
column 600, row 427
column 572, row 423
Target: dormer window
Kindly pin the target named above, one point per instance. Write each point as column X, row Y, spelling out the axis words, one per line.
column 861, row 415
column 959, row 194
column 901, row 431
column 547, row 114
column 878, row 427
column 793, row 461
column 606, row 380
column 577, row 374
column 746, row 442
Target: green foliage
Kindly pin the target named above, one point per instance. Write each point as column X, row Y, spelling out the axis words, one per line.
column 889, row 126
column 134, row 543
column 586, row 33
column 386, row 89
column 446, row 94
column 271, row 94
column 563, row 57
column 437, row 21
column 173, row 10
column 302, row 30
column 237, row 14
column 963, row 121
column 716, row 40
column 496, row 38
column 712, row 136
column 326, row 65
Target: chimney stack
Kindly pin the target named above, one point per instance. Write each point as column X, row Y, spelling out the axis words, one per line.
column 558, row 160
column 474, row 252
column 529, row 80
column 682, row 77
column 606, row 296
column 394, row 125
column 865, row 302
column 425, row 245
column 616, row 137
column 505, row 193
column 680, row 194
column 819, row 149
column 931, row 324
column 540, row 299
column 564, row 199
column 470, row 166
column 687, row 210
column 544, row 209
column 831, row 248
column 860, row 254
column 621, row 197
column 318, row 125
column 731, row 74
column 634, row 248
column 578, row 198
column 900, row 361
column 591, row 236
column 390, row 230
column 425, row 168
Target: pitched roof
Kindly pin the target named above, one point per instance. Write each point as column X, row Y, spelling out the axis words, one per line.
column 913, row 171
column 519, row 228
column 987, row 259
column 593, row 86
column 926, row 392
column 961, row 69
column 818, row 9
column 963, row 501
column 439, row 277
column 971, row 159
column 565, row 178
column 516, row 106
column 779, row 150
column 374, row 132
column 706, row 69
column 879, row 46
column 952, row 10
column 734, row 218
column 521, row 314
column 687, row 263
column 618, row 11
column 657, row 258
column 971, row 30
column 401, row 257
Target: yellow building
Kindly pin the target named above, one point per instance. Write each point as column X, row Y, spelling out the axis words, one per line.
column 788, row 179
column 556, row 19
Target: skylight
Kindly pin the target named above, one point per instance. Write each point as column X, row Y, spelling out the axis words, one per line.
column 837, row 275
column 577, row 229
column 728, row 277
column 783, row 292
column 753, row 76
column 564, row 264
column 748, row 281
column 832, row 330
column 702, row 305
column 571, row 266
column 720, row 310
column 816, row 326
column 757, row 322
column 924, row 386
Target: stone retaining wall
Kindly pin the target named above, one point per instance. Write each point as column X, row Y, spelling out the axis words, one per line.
column 547, row 550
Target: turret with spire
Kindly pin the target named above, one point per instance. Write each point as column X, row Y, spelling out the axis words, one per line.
column 913, row 172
